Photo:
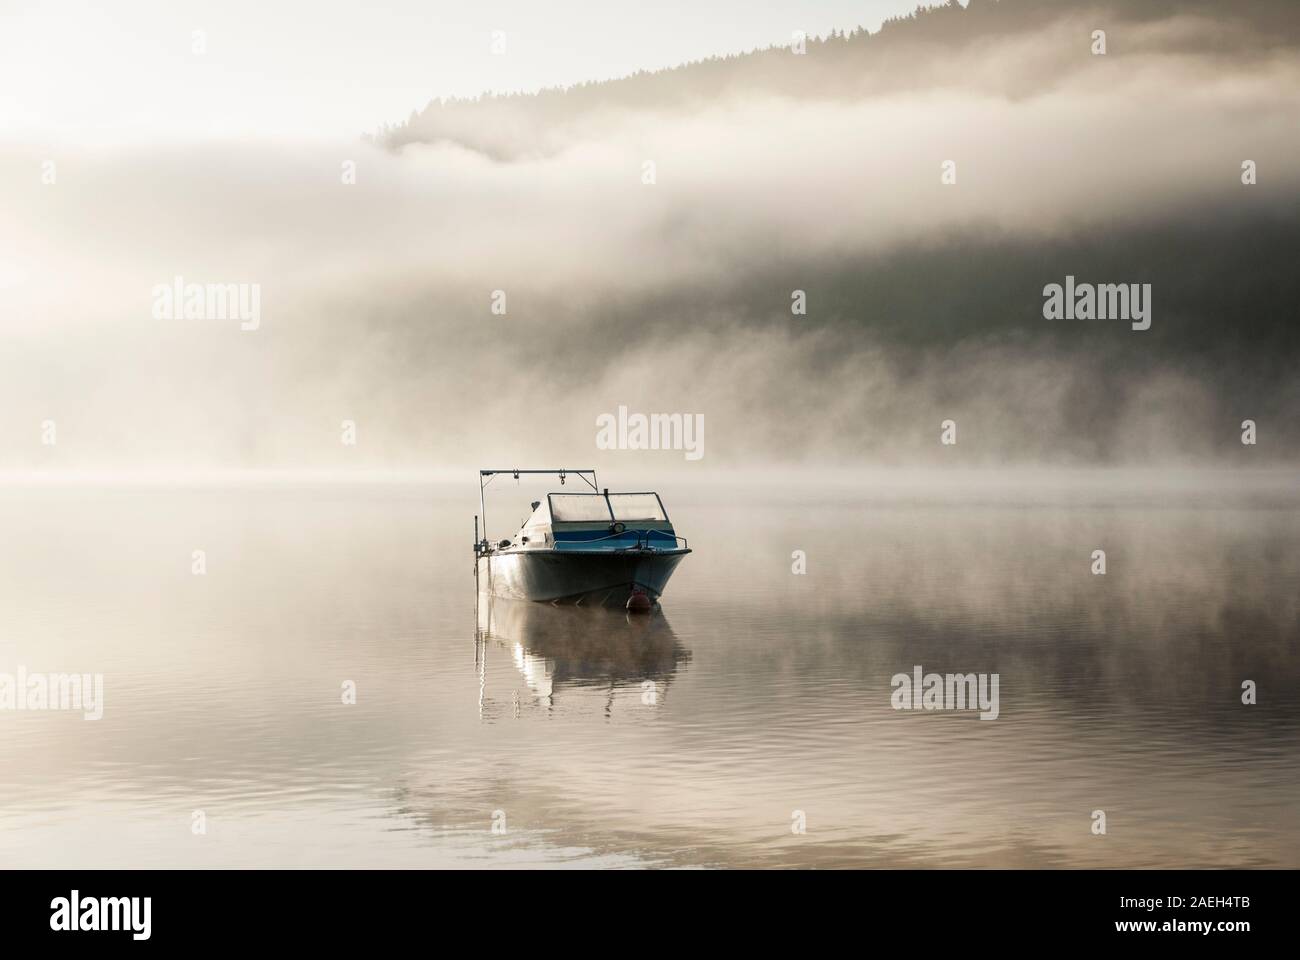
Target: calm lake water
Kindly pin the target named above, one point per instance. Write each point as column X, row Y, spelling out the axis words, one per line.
column 687, row 738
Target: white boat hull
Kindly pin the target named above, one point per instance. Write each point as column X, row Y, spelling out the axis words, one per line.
column 593, row 578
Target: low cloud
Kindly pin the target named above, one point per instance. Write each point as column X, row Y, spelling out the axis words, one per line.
column 924, row 299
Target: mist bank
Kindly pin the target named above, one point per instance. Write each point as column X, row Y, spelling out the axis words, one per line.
column 891, row 346
column 800, row 274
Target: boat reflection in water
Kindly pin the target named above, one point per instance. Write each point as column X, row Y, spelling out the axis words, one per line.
column 555, row 646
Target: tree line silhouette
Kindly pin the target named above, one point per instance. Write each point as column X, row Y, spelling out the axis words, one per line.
column 842, row 64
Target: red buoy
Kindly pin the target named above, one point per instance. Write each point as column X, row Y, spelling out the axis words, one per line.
column 639, row 602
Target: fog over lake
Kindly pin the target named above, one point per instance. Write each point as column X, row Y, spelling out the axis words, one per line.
column 772, row 691
column 924, row 300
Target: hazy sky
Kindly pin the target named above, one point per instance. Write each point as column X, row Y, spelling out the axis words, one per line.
column 80, row 70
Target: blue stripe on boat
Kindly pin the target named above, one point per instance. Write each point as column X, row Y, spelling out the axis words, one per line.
column 602, row 540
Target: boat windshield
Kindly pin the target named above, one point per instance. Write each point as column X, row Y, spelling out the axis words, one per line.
column 571, row 507
column 636, row 506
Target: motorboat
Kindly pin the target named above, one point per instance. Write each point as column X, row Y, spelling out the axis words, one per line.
column 595, row 548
